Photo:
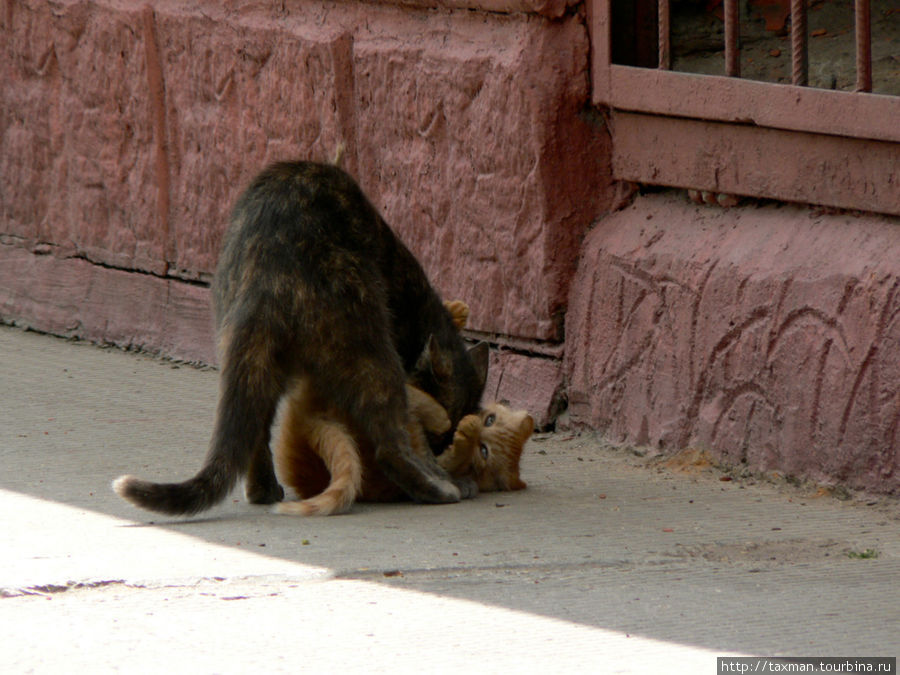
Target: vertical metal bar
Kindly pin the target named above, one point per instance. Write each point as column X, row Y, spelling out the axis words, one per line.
column 799, row 43
column 732, row 39
column 665, row 52
column 863, row 45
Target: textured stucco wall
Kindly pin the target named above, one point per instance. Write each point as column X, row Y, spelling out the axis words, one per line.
column 769, row 335
column 128, row 131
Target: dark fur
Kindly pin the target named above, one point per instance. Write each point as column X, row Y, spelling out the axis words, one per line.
column 312, row 283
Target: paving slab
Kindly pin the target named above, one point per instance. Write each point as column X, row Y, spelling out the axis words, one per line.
column 608, row 562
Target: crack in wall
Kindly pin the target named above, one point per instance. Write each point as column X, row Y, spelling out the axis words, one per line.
column 157, row 90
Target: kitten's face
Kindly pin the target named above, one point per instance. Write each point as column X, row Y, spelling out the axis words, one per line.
column 497, row 436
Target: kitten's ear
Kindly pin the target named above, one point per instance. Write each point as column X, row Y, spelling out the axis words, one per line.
column 459, row 311
column 480, row 355
column 433, row 360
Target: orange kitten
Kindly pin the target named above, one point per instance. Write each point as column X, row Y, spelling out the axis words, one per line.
column 330, row 466
column 321, row 459
column 488, row 446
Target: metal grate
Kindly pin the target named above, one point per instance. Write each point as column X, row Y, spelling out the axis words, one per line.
column 799, row 41
column 677, row 120
column 863, row 20
column 799, row 44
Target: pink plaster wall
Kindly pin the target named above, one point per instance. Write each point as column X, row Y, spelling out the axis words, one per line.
column 769, row 335
column 129, row 130
column 73, row 297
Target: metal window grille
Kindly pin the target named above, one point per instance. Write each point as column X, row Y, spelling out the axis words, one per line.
column 680, row 118
column 799, row 41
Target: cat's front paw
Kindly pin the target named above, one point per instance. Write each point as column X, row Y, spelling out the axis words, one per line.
column 434, row 491
column 422, row 480
column 468, row 488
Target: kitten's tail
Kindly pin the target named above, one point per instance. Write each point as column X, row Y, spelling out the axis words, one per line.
column 335, row 445
column 249, row 396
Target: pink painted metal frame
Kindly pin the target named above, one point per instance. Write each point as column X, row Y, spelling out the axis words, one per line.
column 817, row 130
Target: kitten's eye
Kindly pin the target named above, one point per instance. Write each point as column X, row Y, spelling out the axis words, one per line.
column 490, row 419
column 484, row 451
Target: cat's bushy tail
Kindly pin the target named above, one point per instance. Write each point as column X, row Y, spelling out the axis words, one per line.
column 251, row 386
column 199, row 493
column 334, row 444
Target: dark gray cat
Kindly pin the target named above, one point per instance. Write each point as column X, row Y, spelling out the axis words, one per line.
column 313, row 284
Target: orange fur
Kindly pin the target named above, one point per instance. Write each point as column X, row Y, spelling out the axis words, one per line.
column 330, row 466
column 340, row 456
column 459, row 311
column 488, row 447
column 320, row 458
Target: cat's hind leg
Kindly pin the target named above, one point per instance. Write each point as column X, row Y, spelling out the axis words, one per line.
column 361, row 375
column 252, row 382
column 382, row 416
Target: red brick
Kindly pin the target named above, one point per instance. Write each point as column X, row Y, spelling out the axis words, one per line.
column 73, row 117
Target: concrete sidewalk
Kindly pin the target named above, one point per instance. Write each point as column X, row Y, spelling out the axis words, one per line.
column 606, row 563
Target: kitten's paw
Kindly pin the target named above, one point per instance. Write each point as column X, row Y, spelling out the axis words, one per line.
column 466, row 437
column 264, row 494
column 459, row 312
column 469, row 428
column 456, row 458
